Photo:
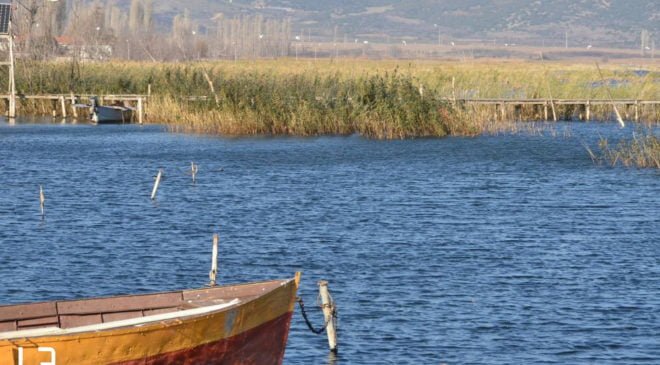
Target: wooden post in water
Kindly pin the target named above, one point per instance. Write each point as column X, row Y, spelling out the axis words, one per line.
column 42, row 200
column 63, row 105
column 587, row 111
column 503, row 111
column 156, row 184
column 328, row 306
column 74, row 110
column 214, row 261
column 636, row 110
column 545, row 110
column 193, row 170
column 140, row 110
column 616, row 110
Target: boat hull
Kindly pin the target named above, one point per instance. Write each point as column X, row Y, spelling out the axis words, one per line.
column 251, row 332
column 111, row 115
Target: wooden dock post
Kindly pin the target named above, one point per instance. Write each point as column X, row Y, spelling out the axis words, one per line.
column 156, row 184
column 329, row 313
column 63, row 105
column 73, row 106
column 503, row 111
column 545, row 110
column 140, row 110
column 587, row 111
column 214, row 261
column 636, row 110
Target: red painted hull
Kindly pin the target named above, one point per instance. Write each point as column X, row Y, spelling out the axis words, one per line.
column 263, row 345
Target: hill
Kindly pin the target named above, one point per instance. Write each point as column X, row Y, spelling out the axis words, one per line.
column 605, row 23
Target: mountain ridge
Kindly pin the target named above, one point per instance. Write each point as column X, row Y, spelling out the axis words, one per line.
column 610, row 23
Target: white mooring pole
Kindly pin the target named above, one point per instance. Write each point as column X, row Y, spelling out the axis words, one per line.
column 214, row 261
column 193, row 170
column 328, row 306
column 42, row 200
column 156, row 184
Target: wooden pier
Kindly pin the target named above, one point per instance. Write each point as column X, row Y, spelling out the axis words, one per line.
column 584, row 106
column 61, row 104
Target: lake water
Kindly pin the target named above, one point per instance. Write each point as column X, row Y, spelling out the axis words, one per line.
column 496, row 250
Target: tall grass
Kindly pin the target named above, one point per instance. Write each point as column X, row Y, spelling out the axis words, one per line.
column 384, row 99
column 643, row 151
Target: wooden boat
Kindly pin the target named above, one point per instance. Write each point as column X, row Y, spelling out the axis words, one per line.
column 235, row 324
column 106, row 114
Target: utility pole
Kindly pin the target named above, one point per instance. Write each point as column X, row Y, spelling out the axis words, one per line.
column 12, row 79
column 6, row 34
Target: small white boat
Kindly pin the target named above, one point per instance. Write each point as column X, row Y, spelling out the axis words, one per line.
column 106, row 114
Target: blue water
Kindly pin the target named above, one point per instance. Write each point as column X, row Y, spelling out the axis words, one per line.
column 496, row 250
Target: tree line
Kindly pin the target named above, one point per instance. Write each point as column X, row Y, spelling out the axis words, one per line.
column 101, row 29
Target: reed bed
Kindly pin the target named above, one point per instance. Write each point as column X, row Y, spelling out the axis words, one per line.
column 377, row 99
column 642, row 151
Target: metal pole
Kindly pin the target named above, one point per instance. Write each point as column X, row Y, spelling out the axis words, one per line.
column 12, row 80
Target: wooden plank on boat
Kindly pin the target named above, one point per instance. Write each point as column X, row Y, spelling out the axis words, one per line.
column 229, row 292
column 38, row 322
column 28, row 311
column 121, row 304
column 69, row 321
column 8, row 326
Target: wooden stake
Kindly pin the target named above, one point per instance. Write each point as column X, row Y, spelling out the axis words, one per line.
column 328, row 306
column 42, row 200
column 73, row 106
column 636, row 111
column 588, row 111
column 140, row 111
column 214, row 261
column 155, row 190
column 607, row 88
column 63, row 105
column 208, row 80
column 193, row 170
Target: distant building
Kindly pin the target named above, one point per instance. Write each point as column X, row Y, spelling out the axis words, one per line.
column 66, row 46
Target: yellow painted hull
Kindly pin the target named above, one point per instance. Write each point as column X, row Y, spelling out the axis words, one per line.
column 253, row 332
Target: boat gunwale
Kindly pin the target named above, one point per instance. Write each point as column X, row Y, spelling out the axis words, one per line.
column 147, row 324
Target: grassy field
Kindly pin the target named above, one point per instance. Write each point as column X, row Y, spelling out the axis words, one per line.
column 377, row 99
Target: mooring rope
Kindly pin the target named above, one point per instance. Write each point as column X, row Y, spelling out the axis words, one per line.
column 317, row 331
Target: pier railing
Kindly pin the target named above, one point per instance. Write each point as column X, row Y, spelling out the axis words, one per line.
column 59, row 103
